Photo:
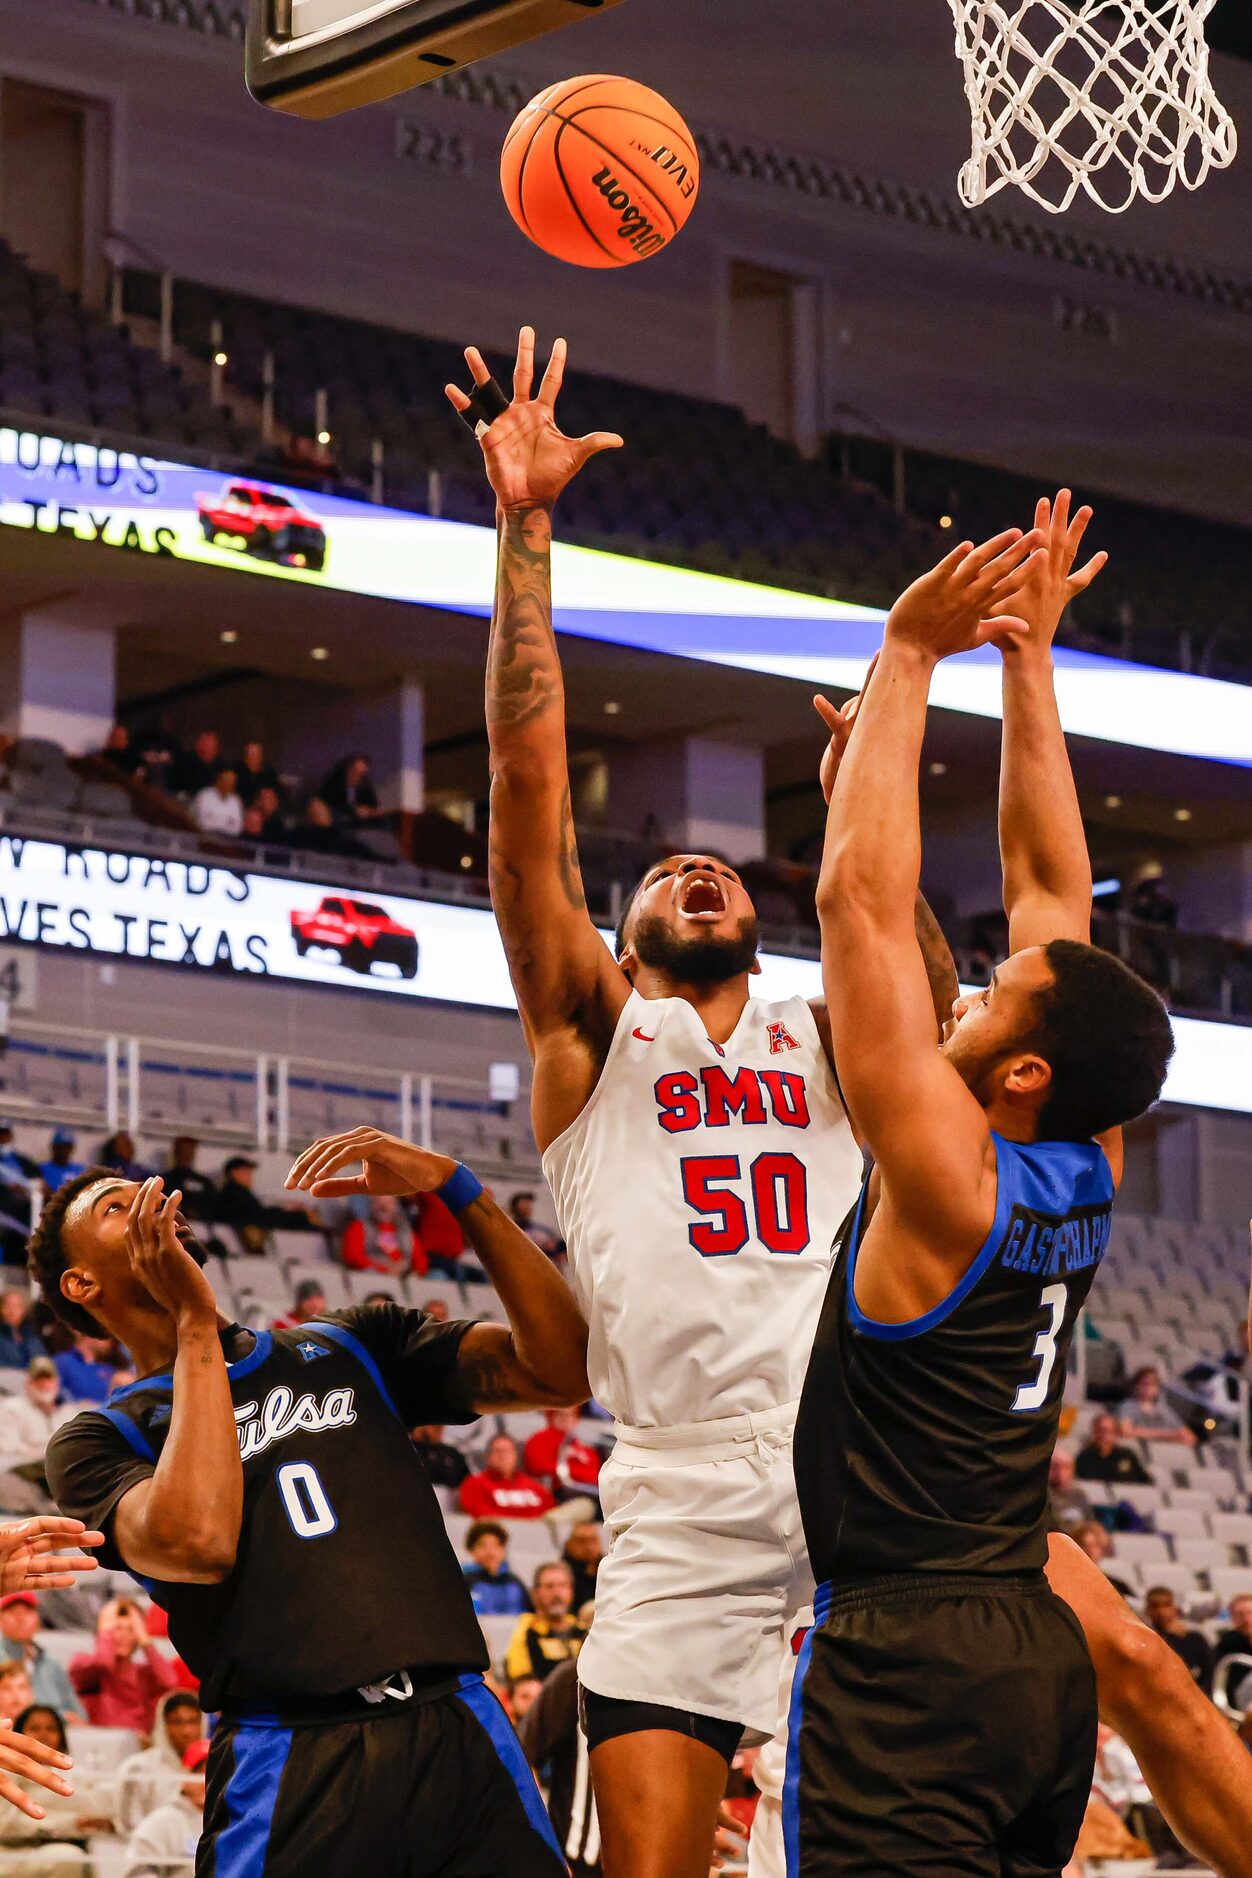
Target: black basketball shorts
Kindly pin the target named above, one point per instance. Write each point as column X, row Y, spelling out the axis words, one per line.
column 436, row 1786
column 939, row 1728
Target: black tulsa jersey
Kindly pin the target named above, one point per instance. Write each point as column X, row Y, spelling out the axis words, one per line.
column 345, row 1573
column 925, row 1446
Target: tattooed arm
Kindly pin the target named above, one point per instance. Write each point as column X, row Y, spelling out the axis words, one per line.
column 568, row 987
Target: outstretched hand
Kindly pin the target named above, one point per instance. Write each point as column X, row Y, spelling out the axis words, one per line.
column 1052, row 580
column 968, row 599
column 158, row 1257
column 839, row 723
column 24, row 1758
column 32, row 1558
column 388, row 1165
column 529, row 460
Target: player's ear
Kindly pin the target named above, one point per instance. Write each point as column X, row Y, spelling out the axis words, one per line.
column 1028, row 1076
column 80, row 1288
column 755, row 968
column 627, row 960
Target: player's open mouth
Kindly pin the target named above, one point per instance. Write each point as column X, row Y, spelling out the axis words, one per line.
column 703, row 897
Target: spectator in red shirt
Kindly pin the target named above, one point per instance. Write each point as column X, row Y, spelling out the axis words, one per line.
column 124, row 1677
column 502, row 1491
column 310, row 1303
column 441, row 1237
column 566, row 1465
column 379, row 1238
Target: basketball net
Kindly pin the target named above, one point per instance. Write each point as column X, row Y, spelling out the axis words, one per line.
column 1110, row 96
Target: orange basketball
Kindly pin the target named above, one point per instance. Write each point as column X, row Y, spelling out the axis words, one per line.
column 599, row 171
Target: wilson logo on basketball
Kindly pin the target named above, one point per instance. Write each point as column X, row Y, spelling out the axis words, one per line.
column 674, row 167
column 634, row 228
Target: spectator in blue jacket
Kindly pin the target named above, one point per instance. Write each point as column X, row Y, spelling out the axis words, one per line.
column 20, row 1342
column 85, row 1371
column 495, row 1589
column 60, row 1167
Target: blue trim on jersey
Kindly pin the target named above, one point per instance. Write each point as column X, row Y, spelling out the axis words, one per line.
column 250, row 1799
column 486, row 1710
column 130, row 1432
column 257, row 1354
column 346, row 1341
column 1048, row 1176
column 791, row 1779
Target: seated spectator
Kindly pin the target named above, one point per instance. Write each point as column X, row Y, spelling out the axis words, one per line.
column 549, row 1634
column 348, row 791
column 1161, row 1610
column 20, row 1342
column 196, row 768
column 378, row 1238
column 159, row 753
column 1097, row 1542
column 164, row 1844
column 118, row 750
column 118, row 1155
column 442, row 1241
column 87, row 1370
column 315, row 832
column 1068, row 1505
column 1234, row 1641
column 153, row 1776
column 1104, row 1458
column 60, row 1166
column 310, row 1303
column 216, row 809
column 521, row 1210
column 49, row 1679
column 124, row 1677
column 502, row 1489
column 19, row 1178
column 254, row 772
column 566, row 1465
column 1146, row 1416
column 28, row 1421
column 1214, row 1381
column 16, row 1169
column 495, row 1590
column 199, row 1193
column 519, row 1697
column 251, row 1218
column 584, row 1550
column 443, row 1465
column 436, row 1309
column 16, row 1693
column 269, row 806
column 52, row 1847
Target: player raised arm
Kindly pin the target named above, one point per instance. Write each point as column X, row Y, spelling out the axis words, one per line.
column 540, row 1361
column 1047, row 870
column 939, row 1177
column 566, row 981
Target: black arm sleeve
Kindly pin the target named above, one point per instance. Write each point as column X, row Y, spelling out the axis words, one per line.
column 90, row 1468
column 417, row 1359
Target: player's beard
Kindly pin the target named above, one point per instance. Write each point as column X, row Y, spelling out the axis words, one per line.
column 192, row 1246
column 698, row 960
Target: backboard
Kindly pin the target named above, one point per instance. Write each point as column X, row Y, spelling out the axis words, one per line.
column 319, row 57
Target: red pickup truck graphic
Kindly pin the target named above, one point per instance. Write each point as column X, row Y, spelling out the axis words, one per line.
column 359, row 932
column 265, row 522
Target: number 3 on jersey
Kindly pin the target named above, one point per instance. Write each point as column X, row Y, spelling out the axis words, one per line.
column 1033, row 1395
column 776, row 1188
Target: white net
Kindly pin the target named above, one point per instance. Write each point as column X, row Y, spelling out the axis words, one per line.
column 1109, row 96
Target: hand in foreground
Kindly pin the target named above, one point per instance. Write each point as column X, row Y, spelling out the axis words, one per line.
column 160, row 1261
column 388, row 1165
column 30, row 1561
column 839, row 723
column 529, row 461
column 730, row 1838
column 1052, row 581
column 951, row 608
column 30, row 1760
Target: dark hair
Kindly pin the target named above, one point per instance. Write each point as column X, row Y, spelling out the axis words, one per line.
column 1160, row 1591
column 561, row 1565
column 485, row 1529
column 181, row 1698
column 1106, row 1036
column 46, row 1258
column 1147, row 1369
column 43, row 1708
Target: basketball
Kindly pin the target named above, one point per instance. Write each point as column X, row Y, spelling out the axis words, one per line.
column 599, row 171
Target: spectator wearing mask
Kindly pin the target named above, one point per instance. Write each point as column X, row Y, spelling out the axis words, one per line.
column 378, row 1238
column 217, row 809
column 1097, row 1542
column 164, row 1844
column 20, row 1342
column 239, row 1208
column 196, row 768
column 1234, row 1641
column 584, row 1549
column 152, row 1777
column 310, row 1303
column 124, row 1677
column 199, row 1193
column 49, row 1679
column 28, row 1421
column 502, row 1491
column 60, row 1165
column 1161, row 1610
column 254, row 772
column 1068, row 1505
column 118, row 1154
column 348, row 791
column 567, row 1466
column 1104, row 1458
column 444, row 1465
column 549, row 1634
column 522, row 1212
column 52, row 1847
column 87, row 1370
column 553, row 1740
column 496, row 1591
column 1146, row 1415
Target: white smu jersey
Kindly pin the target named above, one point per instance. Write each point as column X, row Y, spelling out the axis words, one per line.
column 700, row 1192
